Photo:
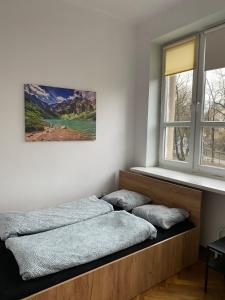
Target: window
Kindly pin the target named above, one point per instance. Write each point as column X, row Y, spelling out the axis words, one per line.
column 213, row 125
column 193, row 104
column 178, row 97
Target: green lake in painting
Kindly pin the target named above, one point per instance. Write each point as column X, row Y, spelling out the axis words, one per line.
column 84, row 126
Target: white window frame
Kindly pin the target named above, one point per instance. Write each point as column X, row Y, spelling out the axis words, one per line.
column 196, row 124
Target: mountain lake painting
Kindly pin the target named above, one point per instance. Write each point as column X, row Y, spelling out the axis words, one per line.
column 59, row 114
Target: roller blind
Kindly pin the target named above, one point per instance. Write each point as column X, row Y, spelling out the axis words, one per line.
column 180, row 57
column 215, row 49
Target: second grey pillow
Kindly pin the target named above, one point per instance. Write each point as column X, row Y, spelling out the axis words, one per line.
column 160, row 215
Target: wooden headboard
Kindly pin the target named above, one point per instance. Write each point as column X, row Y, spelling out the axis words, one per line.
column 163, row 192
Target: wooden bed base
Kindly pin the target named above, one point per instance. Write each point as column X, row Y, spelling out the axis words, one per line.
column 131, row 275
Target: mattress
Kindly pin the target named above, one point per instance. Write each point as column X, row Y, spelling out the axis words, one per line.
column 12, row 287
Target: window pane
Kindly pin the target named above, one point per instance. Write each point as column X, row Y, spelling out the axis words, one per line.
column 213, row 147
column 177, row 141
column 214, row 104
column 178, row 92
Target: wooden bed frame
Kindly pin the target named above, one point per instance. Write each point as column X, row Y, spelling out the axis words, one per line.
column 131, row 275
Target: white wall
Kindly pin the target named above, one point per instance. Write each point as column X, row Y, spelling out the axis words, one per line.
column 187, row 17
column 56, row 43
column 213, row 217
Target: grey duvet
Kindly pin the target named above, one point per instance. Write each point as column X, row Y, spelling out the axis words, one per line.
column 29, row 222
column 72, row 245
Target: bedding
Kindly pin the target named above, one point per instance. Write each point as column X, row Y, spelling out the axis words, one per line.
column 72, row 245
column 161, row 215
column 12, row 287
column 126, row 199
column 23, row 223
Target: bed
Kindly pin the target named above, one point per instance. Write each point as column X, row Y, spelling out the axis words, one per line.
column 124, row 274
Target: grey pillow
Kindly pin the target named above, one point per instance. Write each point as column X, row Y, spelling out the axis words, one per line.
column 126, row 199
column 161, row 215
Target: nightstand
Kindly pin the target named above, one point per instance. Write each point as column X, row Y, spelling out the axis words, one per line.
column 217, row 263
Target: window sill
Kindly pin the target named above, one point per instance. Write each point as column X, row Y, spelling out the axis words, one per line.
column 197, row 181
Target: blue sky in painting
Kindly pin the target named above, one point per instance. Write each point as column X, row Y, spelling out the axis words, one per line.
column 58, row 92
column 52, row 95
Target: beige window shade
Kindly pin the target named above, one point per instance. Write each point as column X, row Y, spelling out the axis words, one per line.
column 180, row 57
column 215, row 49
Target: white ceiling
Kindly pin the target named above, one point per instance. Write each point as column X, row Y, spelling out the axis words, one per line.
column 131, row 11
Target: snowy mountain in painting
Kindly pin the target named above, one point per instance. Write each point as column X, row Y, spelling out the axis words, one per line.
column 54, row 95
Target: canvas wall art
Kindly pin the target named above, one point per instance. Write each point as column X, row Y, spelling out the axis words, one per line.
column 59, row 114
